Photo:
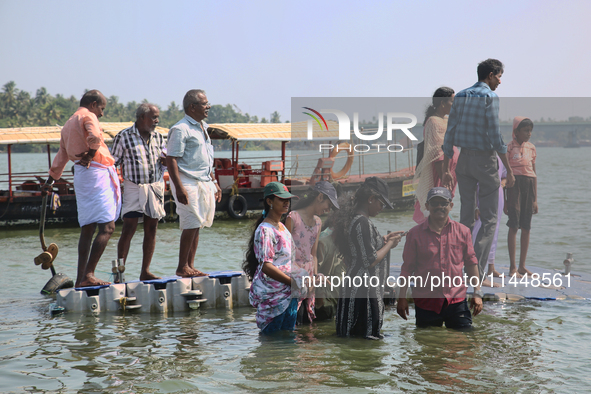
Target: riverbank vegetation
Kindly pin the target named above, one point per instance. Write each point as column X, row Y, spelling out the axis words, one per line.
column 19, row 108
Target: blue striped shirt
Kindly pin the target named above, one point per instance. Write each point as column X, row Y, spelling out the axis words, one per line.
column 474, row 121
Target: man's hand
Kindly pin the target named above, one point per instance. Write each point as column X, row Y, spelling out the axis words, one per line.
column 448, row 180
column 476, row 305
column 535, row 207
column 163, row 159
column 510, row 180
column 47, row 187
column 86, row 158
column 476, row 214
column 181, row 195
column 402, row 308
column 218, row 193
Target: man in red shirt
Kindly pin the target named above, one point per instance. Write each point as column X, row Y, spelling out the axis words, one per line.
column 435, row 254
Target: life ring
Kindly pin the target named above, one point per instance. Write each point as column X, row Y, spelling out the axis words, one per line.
column 242, row 204
column 343, row 146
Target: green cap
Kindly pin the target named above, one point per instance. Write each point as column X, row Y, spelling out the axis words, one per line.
column 277, row 189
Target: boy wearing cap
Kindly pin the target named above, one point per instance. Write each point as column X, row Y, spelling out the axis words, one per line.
column 435, row 253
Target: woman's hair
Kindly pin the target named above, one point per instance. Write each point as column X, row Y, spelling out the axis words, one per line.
column 308, row 199
column 525, row 123
column 341, row 219
column 441, row 94
column 250, row 263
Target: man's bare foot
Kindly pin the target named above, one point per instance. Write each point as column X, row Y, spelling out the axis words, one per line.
column 494, row 273
column 148, row 276
column 199, row 273
column 523, row 271
column 486, row 283
column 188, row 272
column 514, row 272
column 92, row 281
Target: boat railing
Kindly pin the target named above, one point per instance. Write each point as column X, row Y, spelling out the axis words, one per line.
column 28, row 184
column 301, row 164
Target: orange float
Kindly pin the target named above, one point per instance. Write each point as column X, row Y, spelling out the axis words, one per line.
column 343, row 146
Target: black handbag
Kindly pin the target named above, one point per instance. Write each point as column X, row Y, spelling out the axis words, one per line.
column 420, row 151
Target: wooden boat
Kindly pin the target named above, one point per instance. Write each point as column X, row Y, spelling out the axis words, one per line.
column 242, row 183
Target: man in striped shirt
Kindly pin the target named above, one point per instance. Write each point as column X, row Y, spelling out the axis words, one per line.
column 474, row 127
column 140, row 152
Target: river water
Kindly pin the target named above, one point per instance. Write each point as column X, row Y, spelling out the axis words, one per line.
column 523, row 347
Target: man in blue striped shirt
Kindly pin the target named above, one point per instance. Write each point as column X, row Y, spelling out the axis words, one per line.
column 473, row 126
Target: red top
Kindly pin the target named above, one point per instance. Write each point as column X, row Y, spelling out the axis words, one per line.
column 430, row 255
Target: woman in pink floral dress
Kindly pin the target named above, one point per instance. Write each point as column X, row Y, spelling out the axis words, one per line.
column 268, row 264
column 305, row 225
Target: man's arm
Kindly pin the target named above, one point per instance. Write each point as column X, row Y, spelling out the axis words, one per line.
column 409, row 258
column 476, row 302
column 173, row 173
column 218, row 191
column 510, row 177
column 448, row 179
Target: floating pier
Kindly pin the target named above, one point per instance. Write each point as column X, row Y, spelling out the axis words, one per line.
column 229, row 289
column 221, row 289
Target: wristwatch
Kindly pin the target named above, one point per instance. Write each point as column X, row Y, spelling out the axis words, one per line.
column 478, row 293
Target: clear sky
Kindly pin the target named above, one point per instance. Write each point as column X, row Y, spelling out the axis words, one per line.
column 259, row 54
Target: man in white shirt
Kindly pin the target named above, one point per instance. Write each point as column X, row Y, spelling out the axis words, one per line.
column 190, row 167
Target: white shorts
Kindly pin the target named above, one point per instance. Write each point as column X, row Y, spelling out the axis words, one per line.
column 146, row 198
column 201, row 208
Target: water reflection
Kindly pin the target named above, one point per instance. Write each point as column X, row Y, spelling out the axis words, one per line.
column 503, row 349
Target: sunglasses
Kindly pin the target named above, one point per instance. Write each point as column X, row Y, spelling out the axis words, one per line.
column 436, row 204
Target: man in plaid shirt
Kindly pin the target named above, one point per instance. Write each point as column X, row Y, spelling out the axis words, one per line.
column 473, row 126
column 140, row 152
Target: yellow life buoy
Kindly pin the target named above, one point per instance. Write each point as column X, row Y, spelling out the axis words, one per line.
column 343, row 146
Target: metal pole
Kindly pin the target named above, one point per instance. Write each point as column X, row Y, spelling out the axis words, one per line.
column 396, row 158
column 9, row 172
column 236, row 166
column 283, row 143
column 389, row 162
column 48, row 156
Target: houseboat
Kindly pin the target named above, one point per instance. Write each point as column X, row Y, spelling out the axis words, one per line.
column 298, row 164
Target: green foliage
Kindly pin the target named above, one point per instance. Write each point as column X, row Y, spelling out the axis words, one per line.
column 19, row 109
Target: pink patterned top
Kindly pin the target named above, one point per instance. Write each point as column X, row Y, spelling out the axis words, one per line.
column 270, row 297
column 304, row 238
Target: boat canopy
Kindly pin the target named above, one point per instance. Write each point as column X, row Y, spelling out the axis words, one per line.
column 233, row 131
column 51, row 134
column 273, row 131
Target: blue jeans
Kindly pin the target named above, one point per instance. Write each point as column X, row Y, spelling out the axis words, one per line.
column 285, row 321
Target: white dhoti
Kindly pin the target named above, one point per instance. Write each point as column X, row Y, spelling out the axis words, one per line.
column 98, row 194
column 145, row 198
column 201, row 208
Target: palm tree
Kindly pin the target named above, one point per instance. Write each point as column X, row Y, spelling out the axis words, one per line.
column 42, row 97
column 275, row 117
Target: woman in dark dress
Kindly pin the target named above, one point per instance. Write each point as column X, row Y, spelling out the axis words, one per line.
column 360, row 309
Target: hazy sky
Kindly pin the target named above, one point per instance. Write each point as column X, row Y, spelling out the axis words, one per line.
column 259, row 54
